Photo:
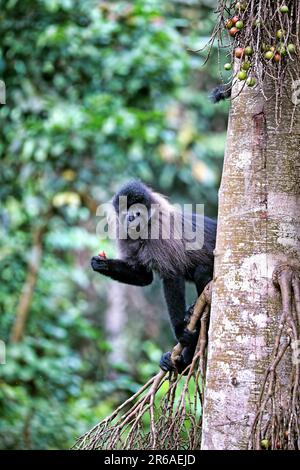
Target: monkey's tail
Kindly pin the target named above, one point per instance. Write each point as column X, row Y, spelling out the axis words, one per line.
column 221, row 92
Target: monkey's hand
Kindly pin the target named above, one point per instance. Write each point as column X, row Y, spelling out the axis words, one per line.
column 100, row 264
column 181, row 364
column 188, row 338
column 185, row 360
column 184, row 335
column 166, row 362
column 122, row 271
column 189, row 313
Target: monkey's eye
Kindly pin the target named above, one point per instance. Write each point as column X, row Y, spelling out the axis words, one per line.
column 138, row 214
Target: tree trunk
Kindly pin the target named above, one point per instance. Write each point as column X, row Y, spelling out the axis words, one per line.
column 258, row 228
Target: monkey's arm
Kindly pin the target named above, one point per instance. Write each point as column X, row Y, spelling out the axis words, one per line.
column 121, row 271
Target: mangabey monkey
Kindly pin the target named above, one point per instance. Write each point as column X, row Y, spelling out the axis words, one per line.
column 171, row 256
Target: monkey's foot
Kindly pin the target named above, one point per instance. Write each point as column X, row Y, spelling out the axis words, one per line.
column 166, row 363
column 188, row 338
column 189, row 313
column 182, row 362
column 185, row 359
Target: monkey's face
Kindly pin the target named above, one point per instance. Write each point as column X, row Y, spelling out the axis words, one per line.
column 133, row 206
column 135, row 221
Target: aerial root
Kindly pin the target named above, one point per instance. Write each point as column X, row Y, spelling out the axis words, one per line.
column 166, row 412
column 276, row 424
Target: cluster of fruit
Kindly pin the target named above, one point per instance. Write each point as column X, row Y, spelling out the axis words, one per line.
column 276, row 53
column 244, row 53
column 235, row 25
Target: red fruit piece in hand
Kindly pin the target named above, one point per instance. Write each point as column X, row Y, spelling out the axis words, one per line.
column 102, row 254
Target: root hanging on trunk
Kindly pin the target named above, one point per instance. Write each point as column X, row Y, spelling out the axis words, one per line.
column 277, row 421
column 166, row 413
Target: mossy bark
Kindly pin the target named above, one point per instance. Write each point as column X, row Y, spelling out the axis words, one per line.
column 258, row 227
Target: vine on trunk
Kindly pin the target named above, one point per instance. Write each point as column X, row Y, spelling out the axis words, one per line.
column 276, row 424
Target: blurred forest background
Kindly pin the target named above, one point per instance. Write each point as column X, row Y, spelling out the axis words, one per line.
column 97, row 93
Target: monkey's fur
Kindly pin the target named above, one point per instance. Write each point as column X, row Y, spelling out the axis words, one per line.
column 221, row 92
column 169, row 257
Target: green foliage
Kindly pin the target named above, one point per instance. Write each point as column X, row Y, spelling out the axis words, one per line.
column 97, row 92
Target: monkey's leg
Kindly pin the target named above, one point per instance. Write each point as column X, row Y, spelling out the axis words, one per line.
column 202, row 276
column 174, row 290
column 181, row 356
column 121, row 271
column 190, row 338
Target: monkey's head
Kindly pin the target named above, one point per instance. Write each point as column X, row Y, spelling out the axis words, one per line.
column 132, row 204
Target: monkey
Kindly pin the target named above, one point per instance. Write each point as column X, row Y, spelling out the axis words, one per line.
column 221, row 92
column 170, row 257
